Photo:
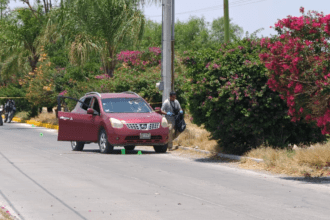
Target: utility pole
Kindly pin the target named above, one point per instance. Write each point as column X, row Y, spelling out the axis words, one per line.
column 172, row 45
column 226, row 18
column 166, row 49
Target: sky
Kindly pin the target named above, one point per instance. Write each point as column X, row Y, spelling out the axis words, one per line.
column 249, row 14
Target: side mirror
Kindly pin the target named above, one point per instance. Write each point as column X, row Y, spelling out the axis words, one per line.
column 90, row 111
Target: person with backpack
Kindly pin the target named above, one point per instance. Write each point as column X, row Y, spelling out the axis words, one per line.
column 173, row 112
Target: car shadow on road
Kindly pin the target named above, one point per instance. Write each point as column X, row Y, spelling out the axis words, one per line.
column 313, row 180
column 215, row 159
column 118, row 151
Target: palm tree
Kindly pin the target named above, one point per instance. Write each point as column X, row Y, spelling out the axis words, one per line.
column 19, row 32
column 3, row 7
column 99, row 26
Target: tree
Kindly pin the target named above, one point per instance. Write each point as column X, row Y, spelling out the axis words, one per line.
column 47, row 5
column 218, row 30
column 19, row 34
column 152, row 37
column 99, row 28
column 298, row 64
column 192, row 35
column 3, row 7
column 228, row 94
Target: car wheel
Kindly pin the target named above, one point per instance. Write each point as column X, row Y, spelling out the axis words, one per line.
column 77, row 146
column 105, row 146
column 129, row 147
column 161, row 148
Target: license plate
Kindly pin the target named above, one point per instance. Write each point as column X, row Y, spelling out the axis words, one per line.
column 145, row 136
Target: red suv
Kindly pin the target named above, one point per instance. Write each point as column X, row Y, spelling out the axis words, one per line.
column 113, row 119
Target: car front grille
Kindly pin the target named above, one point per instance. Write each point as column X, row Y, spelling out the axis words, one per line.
column 154, row 137
column 143, row 126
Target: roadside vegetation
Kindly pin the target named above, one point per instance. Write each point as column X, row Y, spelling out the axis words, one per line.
column 196, row 137
column 4, row 215
column 306, row 161
column 49, row 118
column 254, row 96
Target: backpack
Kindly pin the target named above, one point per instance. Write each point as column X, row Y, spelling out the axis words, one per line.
column 180, row 124
column 175, row 110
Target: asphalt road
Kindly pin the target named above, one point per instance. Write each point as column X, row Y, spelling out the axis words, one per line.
column 41, row 178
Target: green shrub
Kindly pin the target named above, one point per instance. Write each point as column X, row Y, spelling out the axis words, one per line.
column 22, row 104
column 141, row 82
column 229, row 95
column 23, row 115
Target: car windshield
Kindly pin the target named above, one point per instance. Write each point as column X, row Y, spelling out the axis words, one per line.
column 125, row 105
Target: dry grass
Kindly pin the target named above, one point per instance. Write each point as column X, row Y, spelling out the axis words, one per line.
column 49, row 118
column 309, row 162
column 196, row 136
column 22, row 115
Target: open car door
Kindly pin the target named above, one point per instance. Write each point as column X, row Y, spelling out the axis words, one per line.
column 74, row 126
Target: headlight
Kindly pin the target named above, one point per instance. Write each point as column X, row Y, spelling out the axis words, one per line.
column 164, row 123
column 115, row 123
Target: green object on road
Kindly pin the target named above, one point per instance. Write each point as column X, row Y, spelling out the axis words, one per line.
column 33, row 125
column 41, row 134
column 123, row 151
column 139, row 152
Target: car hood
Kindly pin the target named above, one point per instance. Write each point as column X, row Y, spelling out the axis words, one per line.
column 137, row 117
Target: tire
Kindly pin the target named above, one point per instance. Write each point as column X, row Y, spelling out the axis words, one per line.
column 129, row 147
column 105, row 146
column 161, row 148
column 77, row 146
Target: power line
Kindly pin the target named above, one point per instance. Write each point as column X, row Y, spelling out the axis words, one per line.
column 213, row 7
column 217, row 7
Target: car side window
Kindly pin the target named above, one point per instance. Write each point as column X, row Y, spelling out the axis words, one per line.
column 96, row 106
column 87, row 102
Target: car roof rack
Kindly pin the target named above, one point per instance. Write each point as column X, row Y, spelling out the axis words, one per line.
column 129, row 92
column 90, row 93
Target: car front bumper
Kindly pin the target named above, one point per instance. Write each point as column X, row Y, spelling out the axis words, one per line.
column 126, row 137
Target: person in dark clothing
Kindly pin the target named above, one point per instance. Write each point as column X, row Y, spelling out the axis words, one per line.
column 1, row 110
column 10, row 110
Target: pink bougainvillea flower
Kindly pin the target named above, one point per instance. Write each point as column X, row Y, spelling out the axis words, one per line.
column 63, row 93
column 298, row 88
column 302, row 9
column 104, row 76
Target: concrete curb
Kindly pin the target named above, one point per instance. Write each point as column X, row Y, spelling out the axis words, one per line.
column 35, row 123
column 229, row 156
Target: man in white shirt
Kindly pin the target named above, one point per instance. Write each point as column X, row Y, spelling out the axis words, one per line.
column 170, row 108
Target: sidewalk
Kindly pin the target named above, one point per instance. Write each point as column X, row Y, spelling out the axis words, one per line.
column 35, row 123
